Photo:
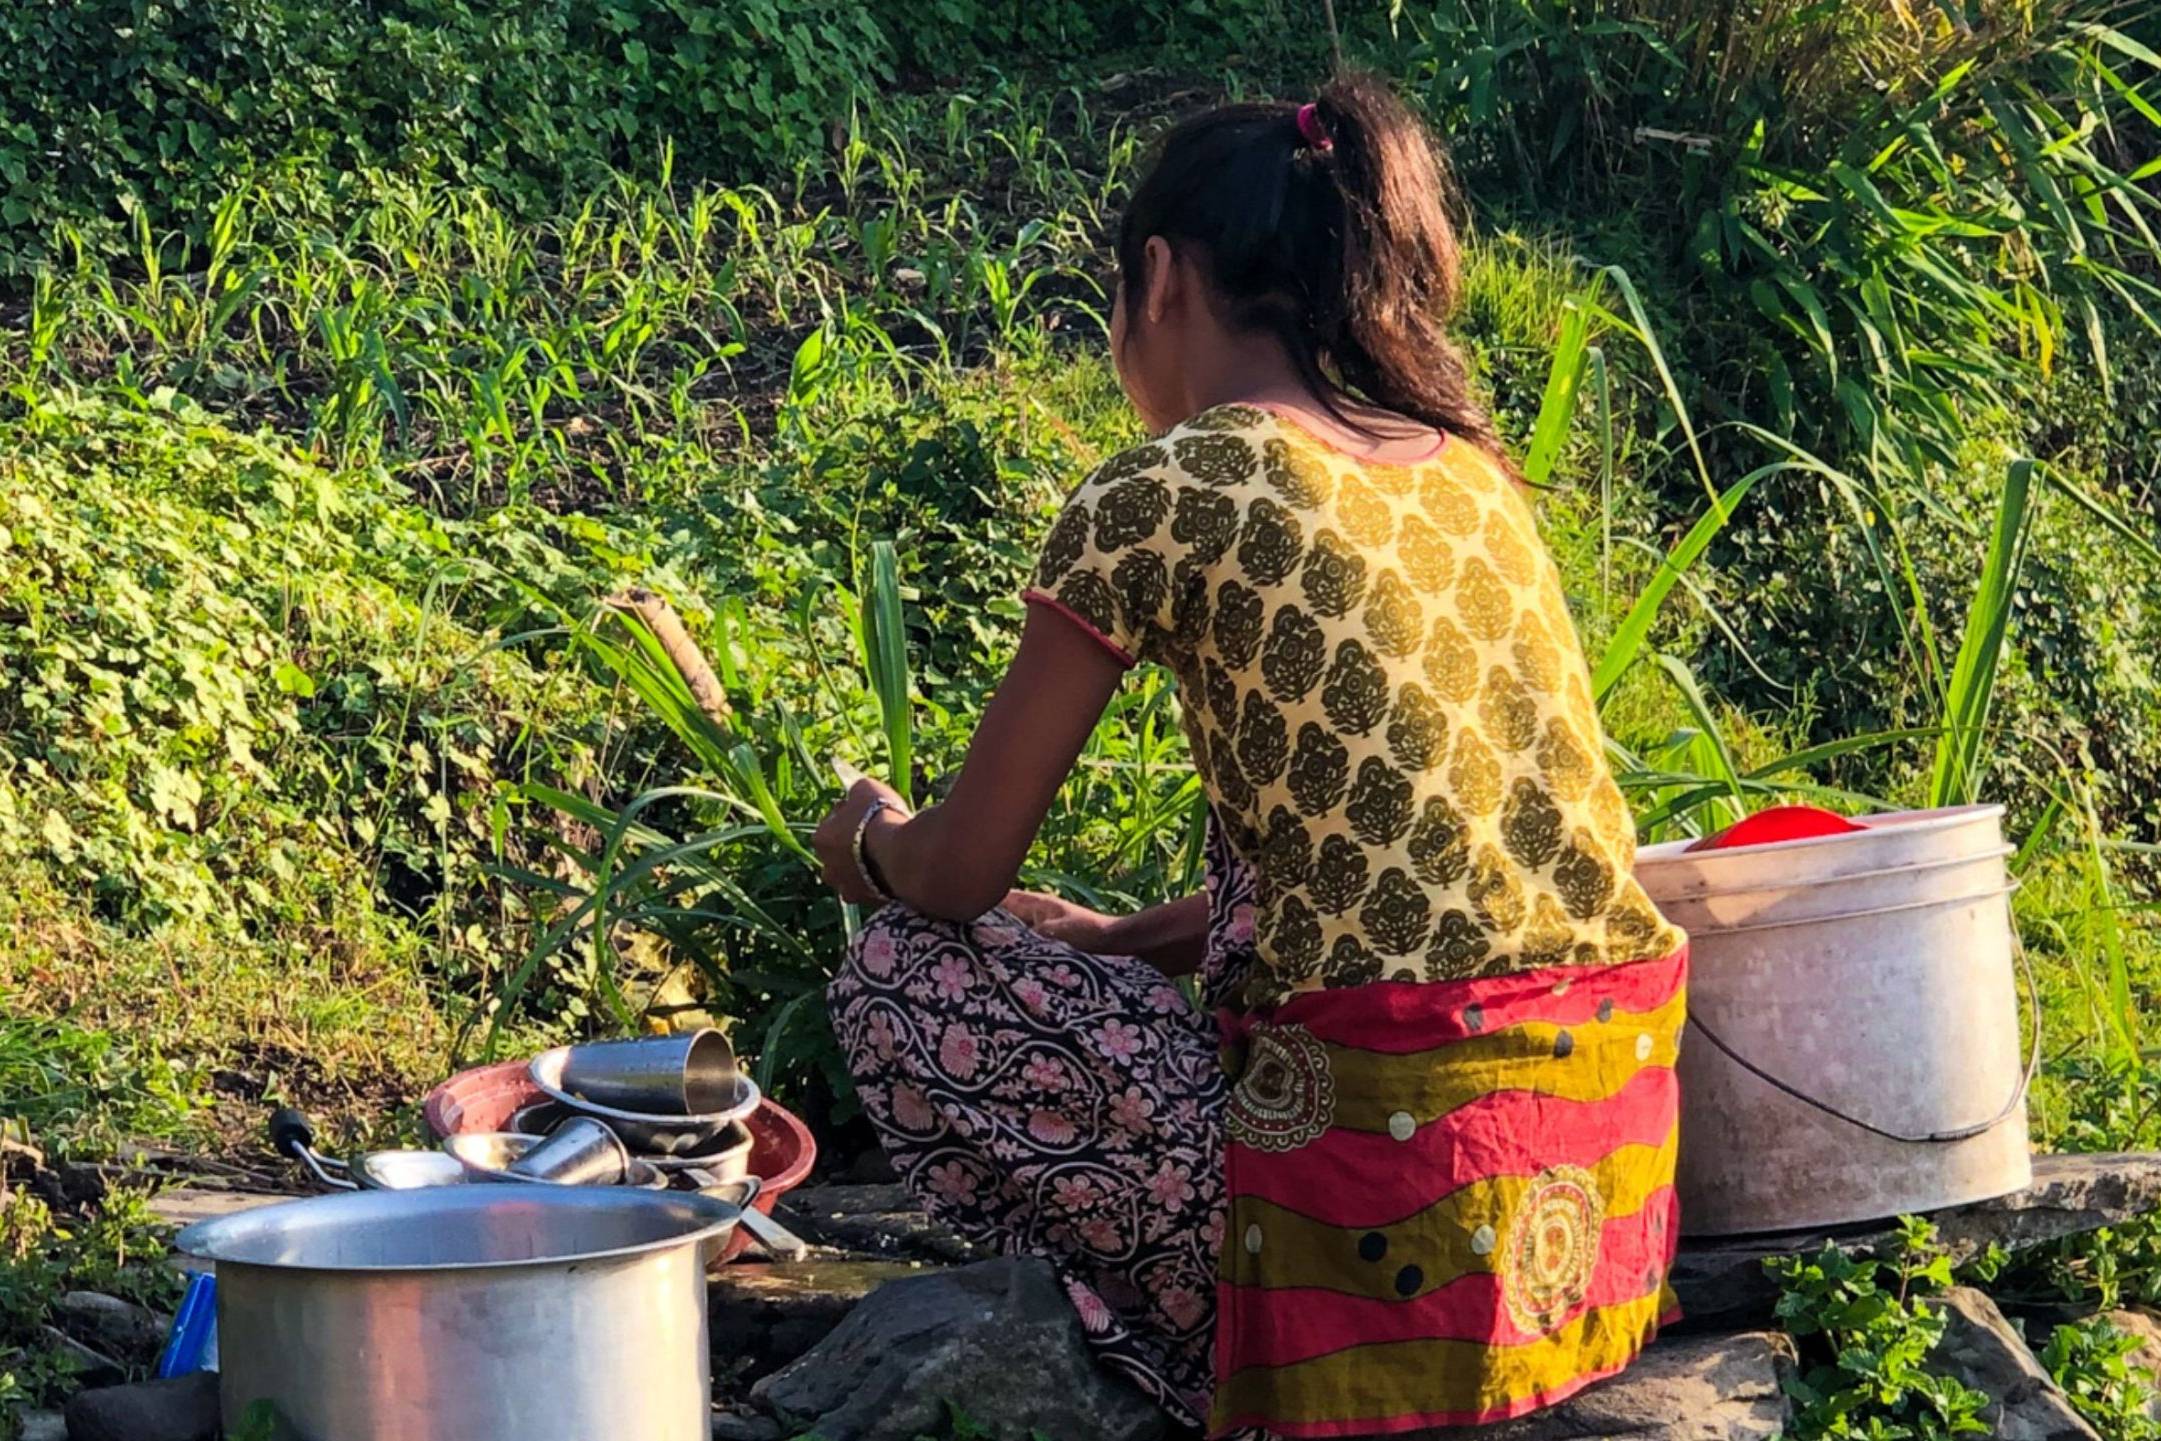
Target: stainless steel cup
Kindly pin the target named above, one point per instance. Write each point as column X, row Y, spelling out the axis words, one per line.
column 580, row 1152
column 690, row 1073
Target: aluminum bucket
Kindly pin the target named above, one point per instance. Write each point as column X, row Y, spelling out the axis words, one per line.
column 1853, row 1049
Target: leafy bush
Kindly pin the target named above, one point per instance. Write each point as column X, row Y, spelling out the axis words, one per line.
column 55, row 1073
column 2092, row 1361
column 1912, row 242
column 1866, row 1331
column 43, row 1255
column 167, row 106
column 239, row 687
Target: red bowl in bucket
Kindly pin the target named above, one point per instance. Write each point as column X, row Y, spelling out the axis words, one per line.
column 1779, row 823
column 486, row 1097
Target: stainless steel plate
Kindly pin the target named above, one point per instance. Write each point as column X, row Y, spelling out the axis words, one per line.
column 724, row 1150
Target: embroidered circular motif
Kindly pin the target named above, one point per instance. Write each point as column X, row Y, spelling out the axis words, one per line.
column 1286, row 1097
column 1552, row 1247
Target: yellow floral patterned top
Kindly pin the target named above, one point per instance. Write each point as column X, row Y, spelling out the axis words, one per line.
column 1384, row 696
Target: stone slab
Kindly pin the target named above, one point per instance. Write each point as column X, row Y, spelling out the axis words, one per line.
column 882, row 1220
column 1695, row 1388
column 185, row 1205
column 1721, row 1284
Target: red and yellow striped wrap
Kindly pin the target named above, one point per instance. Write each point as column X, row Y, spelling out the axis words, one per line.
column 1449, row 1203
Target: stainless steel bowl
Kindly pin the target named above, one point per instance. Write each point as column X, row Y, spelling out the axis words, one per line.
column 643, row 1132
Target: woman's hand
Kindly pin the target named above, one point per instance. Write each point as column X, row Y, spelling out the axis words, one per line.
column 1058, row 919
column 834, row 839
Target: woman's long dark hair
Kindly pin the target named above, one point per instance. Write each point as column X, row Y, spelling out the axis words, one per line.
column 1339, row 244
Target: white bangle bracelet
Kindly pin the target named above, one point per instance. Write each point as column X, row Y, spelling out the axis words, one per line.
column 855, row 848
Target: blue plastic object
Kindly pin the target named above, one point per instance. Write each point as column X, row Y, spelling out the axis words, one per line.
column 192, row 1345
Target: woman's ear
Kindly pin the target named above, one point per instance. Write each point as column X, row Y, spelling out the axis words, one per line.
column 1163, row 279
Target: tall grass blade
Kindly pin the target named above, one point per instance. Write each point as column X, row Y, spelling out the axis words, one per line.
column 885, row 658
column 2105, row 932
column 2102, row 511
column 1955, row 779
column 1628, row 638
column 1557, row 408
column 1711, row 753
column 1643, row 332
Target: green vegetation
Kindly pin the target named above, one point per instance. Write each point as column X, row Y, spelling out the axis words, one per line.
column 352, row 362
column 42, row 1256
column 1877, row 1326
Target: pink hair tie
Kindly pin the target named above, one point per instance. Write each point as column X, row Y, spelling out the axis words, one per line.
column 1309, row 126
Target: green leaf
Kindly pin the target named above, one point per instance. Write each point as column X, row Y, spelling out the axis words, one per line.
column 1557, row 408
column 1628, row 637
column 885, row 660
column 1955, row 778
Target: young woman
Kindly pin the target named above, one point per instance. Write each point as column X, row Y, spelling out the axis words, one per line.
column 1416, row 1169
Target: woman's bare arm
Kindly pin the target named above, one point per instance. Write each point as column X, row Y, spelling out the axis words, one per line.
column 958, row 859
column 1172, row 937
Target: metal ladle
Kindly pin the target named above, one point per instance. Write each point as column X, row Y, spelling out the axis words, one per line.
column 779, row 1242
column 291, row 1134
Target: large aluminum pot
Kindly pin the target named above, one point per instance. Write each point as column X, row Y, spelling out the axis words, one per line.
column 468, row 1313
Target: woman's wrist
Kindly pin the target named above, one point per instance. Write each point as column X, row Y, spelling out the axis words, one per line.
column 880, row 851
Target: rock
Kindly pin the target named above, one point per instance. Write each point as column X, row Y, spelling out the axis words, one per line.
column 92, row 1366
column 1985, row 1351
column 766, row 1316
column 1721, row 1283
column 874, row 1220
column 745, row 1426
column 40, row 1426
column 1695, row 1388
column 182, row 1409
column 998, row 1339
column 185, row 1205
column 118, row 1325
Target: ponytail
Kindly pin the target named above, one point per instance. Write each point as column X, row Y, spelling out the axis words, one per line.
column 1326, row 226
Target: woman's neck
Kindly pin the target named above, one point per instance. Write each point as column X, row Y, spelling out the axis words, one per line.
column 1273, row 382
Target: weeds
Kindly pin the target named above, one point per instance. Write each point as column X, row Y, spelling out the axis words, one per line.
column 1867, row 1330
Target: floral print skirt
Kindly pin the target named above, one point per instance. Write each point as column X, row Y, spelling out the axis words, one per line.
column 1048, row 1102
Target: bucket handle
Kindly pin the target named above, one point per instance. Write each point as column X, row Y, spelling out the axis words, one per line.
column 1963, row 1133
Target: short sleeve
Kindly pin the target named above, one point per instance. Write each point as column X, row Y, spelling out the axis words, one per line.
column 1110, row 560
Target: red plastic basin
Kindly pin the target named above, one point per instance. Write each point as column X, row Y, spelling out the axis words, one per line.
column 485, row 1097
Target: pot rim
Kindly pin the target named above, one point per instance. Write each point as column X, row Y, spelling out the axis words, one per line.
column 216, row 1239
